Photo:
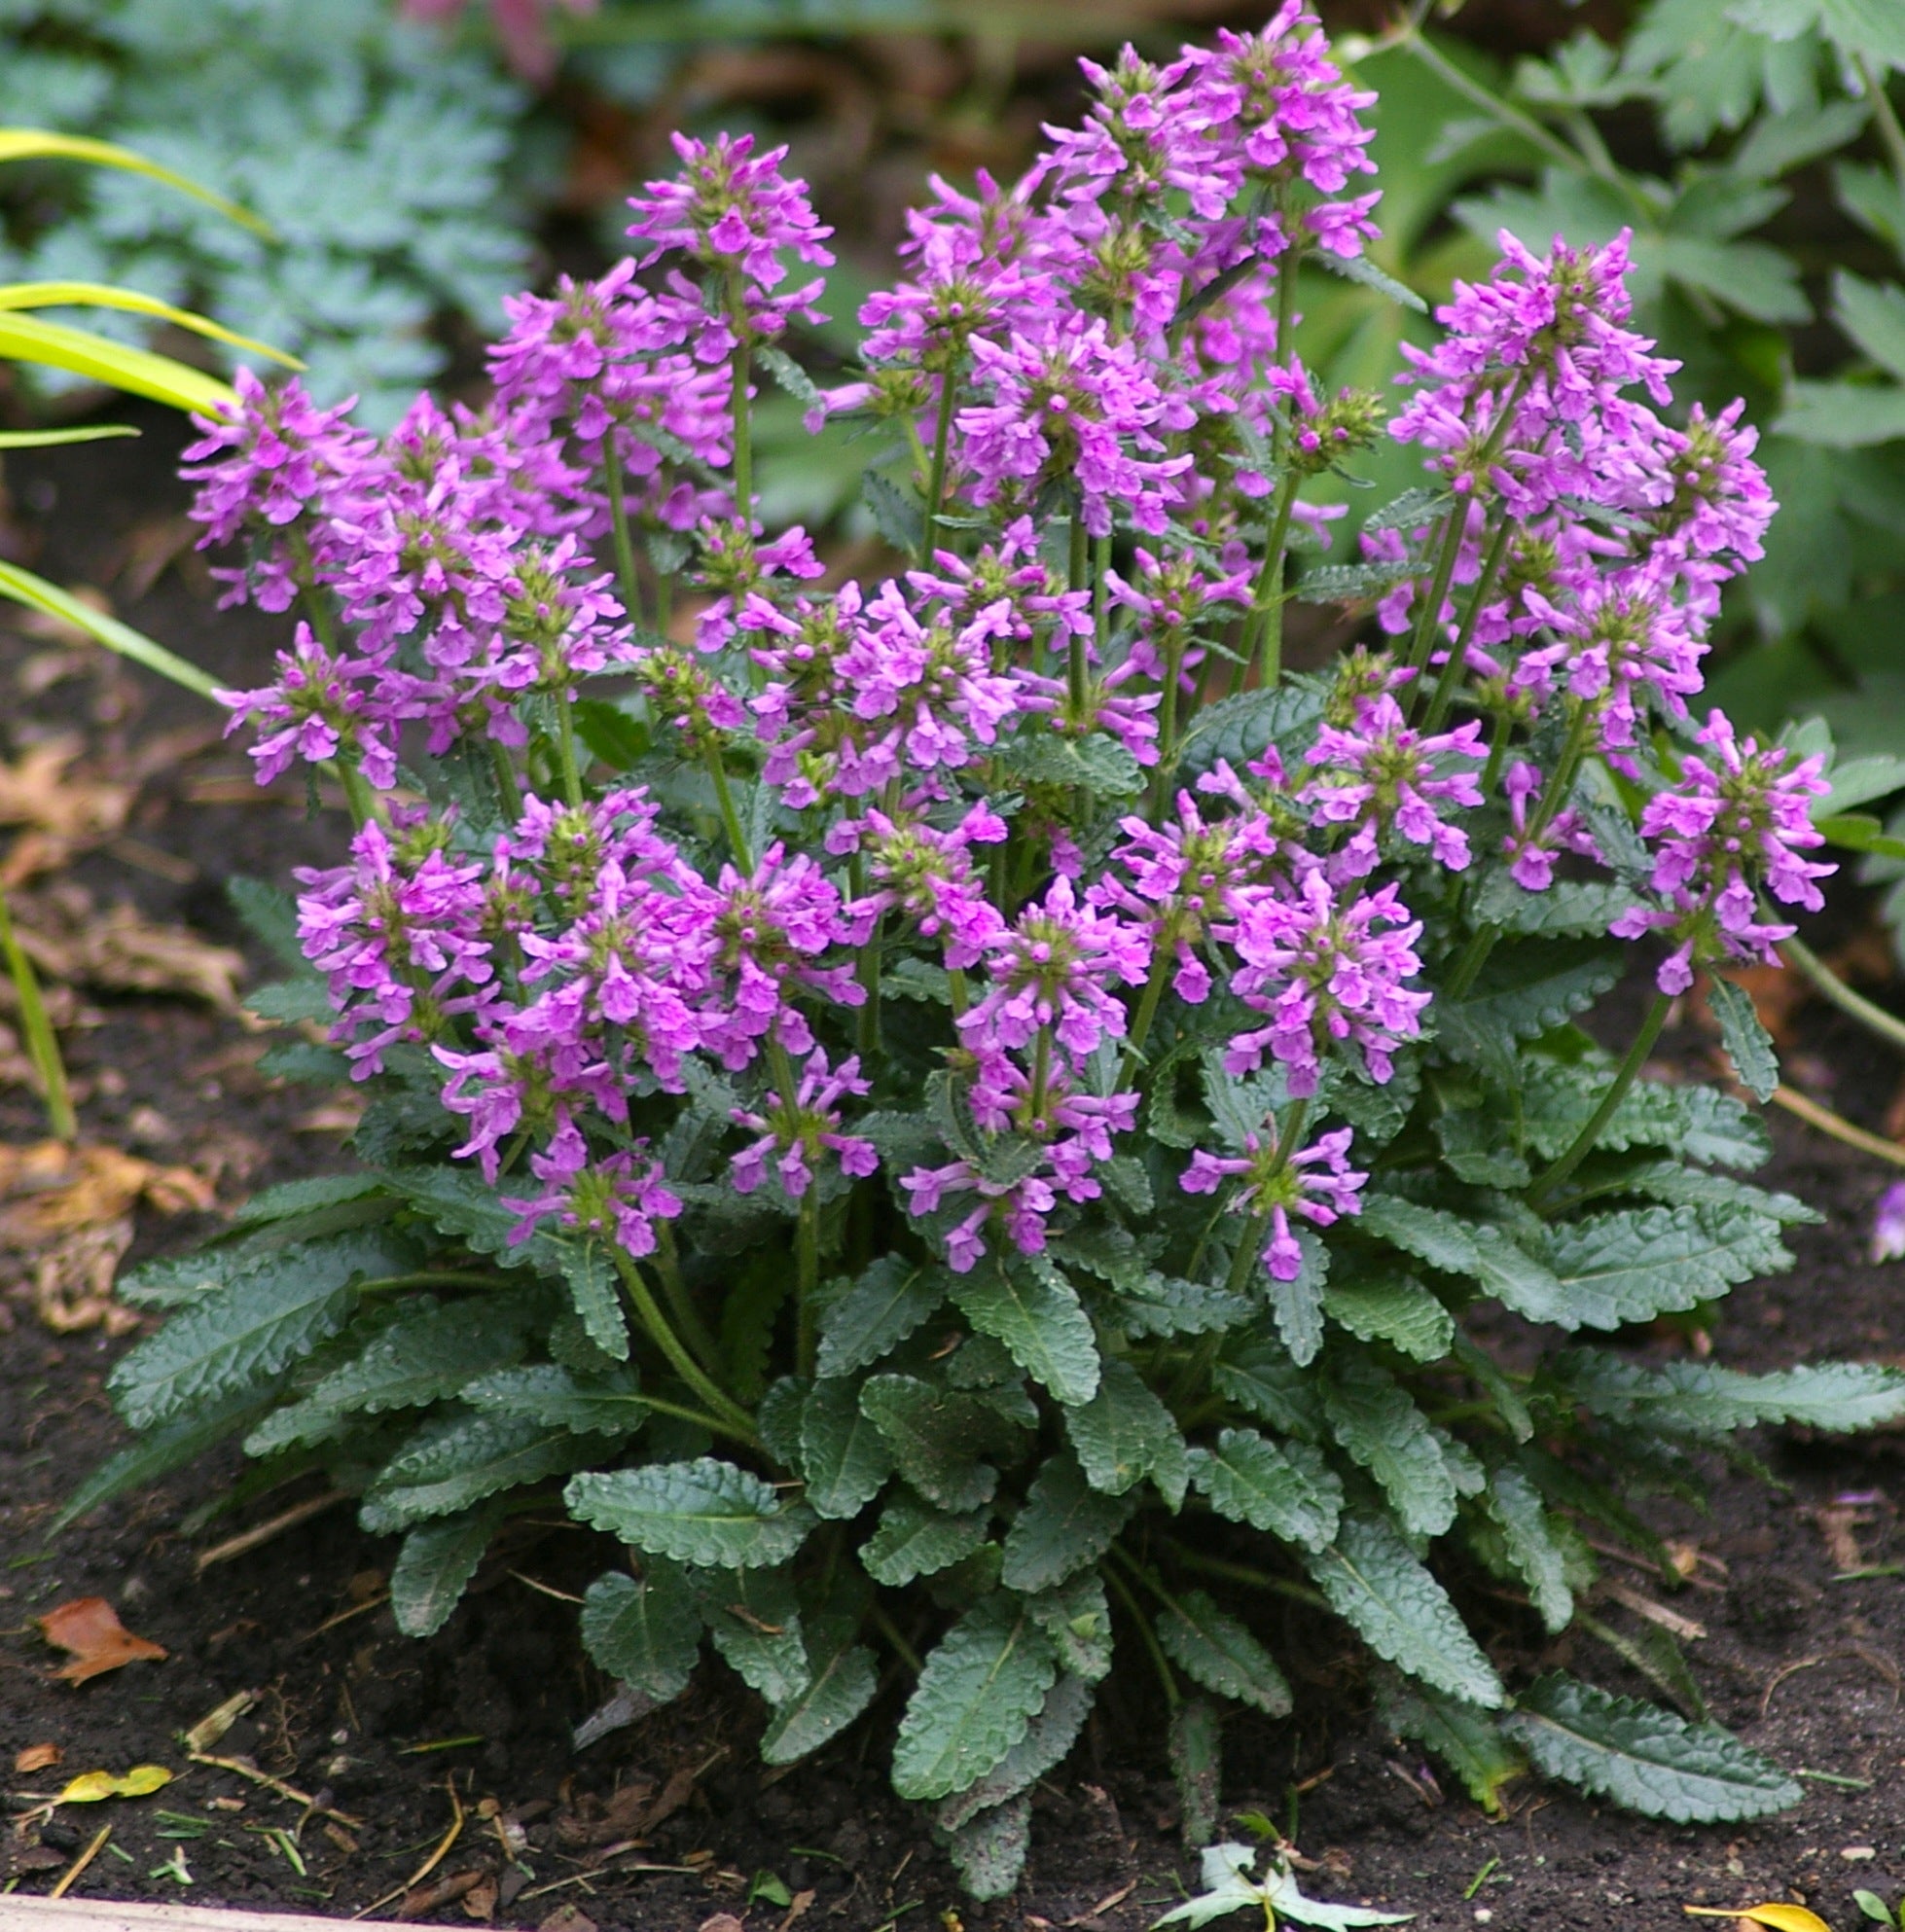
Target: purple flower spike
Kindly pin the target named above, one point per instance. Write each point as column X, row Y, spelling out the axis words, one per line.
column 1318, row 1182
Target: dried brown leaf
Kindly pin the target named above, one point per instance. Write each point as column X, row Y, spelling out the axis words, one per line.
column 89, row 1626
column 37, row 1757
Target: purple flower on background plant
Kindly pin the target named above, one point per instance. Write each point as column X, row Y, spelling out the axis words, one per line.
column 1316, row 1183
column 1325, row 969
column 795, row 1133
column 1384, row 776
column 321, row 706
column 1889, row 1224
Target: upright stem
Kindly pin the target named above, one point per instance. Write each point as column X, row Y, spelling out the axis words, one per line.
column 649, row 1312
column 1076, row 666
column 1102, row 595
column 41, row 1042
column 1262, row 647
column 744, row 438
column 1147, row 1635
column 680, row 1304
column 1147, row 1011
column 508, row 795
column 618, row 510
column 358, row 795
column 1888, row 1027
column 565, row 746
column 1891, row 135
column 1625, row 1076
column 948, row 390
column 1429, row 620
column 1452, row 671
column 730, row 818
column 1247, row 1253
column 808, row 1263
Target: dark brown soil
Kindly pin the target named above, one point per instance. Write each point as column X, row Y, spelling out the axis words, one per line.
column 401, row 1738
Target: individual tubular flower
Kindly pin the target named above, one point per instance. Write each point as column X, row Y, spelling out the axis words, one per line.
column 1531, row 845
column 1386, row 776
column 1735, row 825
column 1316, row 1183
column 928, row 876
column 1053, row 972
column 617, row 1198
column 1324, row 970
column 798, row 1133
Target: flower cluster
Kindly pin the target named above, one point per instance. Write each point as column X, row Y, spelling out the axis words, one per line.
column 955, row 848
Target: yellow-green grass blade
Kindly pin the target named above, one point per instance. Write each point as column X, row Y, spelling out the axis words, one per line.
column 103, row 295
column 42, row 144
column 23, row 588
column 51, row 439
column 138, row 372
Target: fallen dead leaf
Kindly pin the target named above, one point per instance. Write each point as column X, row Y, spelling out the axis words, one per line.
column 119, row 950
column 63, row 815
column 141, row 1781
column 480, row 1901
column 566, row 1918
column 89, row 1628
column 37, row 1757
column 722, row 1921
column 1837, row 1523
column 1781, row 1918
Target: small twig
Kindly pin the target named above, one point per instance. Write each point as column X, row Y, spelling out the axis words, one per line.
column 344, row 1616
column 245, row 1768
column 79, row 1864
column 249, row 1540
column 1670, row 1621
column 431, row 1863
column 545, row 1589
column 1838, row 1128
column 1829, row 985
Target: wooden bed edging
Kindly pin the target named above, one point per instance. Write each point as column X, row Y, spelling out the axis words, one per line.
column 18, row 1914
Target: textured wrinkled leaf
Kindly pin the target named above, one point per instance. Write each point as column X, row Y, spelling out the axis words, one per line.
column 1048, row 1737
column 1259, row 1376
column 261, row 1322
column 1527, row 988
column 546, row 1392
column 915, row 1540
column 882, row 1309
column 1695, row 1123
column 755, row 1622
column 1242, row 727
column 594, row 1294
column 1376, row 1583
column 1077, row 1618
column 973, row 1699
column 1637, row 1263
column 1699, row 1399
column 1065, row 1524
column 1163, row 1305
column 1515, row 1504
column 1568, row 908
column 1681, row 1185
column 1285, row 1488
column 1298, row 1306
column 1381, row 1429
column 1646, row 1758
column 1212, row 1648
column 935, row 1435
column 1028, row 1304
column 844, row 1677
column 453, row 1464
column 161, row 1450
column 988, row 1852
column 1473, row 1251
column 434, row 1568
column 1748, row 1043
column 1477, row 1147
column 1395, row 1308
column 1125, row 1433
column 419, row 1358
column 1197, row 1765
column 844, row 1456
column 706, row 1512
column 1469, row 1741
column 646, row 1632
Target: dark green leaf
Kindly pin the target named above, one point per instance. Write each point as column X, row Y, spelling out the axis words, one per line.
column 913, row 1540
column 882, row 1309
column 1285, row 1488
column 434, row 1568
column 1064, row 1525
column 843, row 1455
column 1215, row 1649
column 646, row 1632
column 1026, row 1304
column 844, row 1676
column 1748, row 1043
column 706, row 1512
column 457, row 1461
column 1197, row 1766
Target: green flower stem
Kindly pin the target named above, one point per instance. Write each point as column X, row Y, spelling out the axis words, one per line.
column 1147, row 1013
column 1263, row 643
column 807, row 1263
column 877, row 1616
column 737, row 1420
column 1499, row 749
column 1245, row 1255
column 618, row 510
column 41, row 1042
column 1166, row 731
column 738, row 409
column 1041, row 1071
column 730, row 818
column 1429, row 622
column 714, row 1425
column 1146, row 1634
column 565, row 747
column 681, row 1305
column 955, row 981
column 1452, row 671
column 430, row 1277
column 358, row 795
column 1101, row 594
column 1076, row 664
column 948, row 393
column 1254, row 1579
column 1625, row 1076
column 508, row 795
column 1889, row 1026
column 1891, row 136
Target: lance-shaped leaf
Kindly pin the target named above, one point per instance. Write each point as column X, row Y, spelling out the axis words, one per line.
column 1213, row 1647
column 1748, row 1043
column 1384, row 1430
column 973, row 1699
column 882, row 1309
column 988, row 1852
column 843, row 1455
column 1529, row 1538
column 1637, row 1263
column 935, row 1435
column 1125, row 1433
column 1376, row 1583
column 1064, row 1525
column 1395, row 1308
column 1469, row 1741
column 707, row 1514
column 457, row 1461
column 1028, row 1304
column 42, row 144
column 1646, row 1758
column 646, row 1630
column 755, row 1622
column 915, row 1540
column 842, row 1676
column 607, row 1404
column 23, row 587
column 1197, row 1764
column 1286, row 1489
column 434, row 1568
column 1699, row 1399
column 1050, row 1735
column 1474, row 1251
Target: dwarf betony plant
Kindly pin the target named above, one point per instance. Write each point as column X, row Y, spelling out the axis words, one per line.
column 965, row 1116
